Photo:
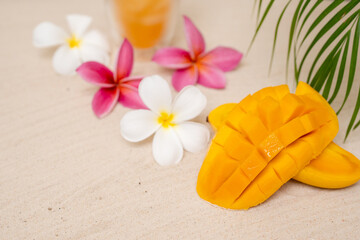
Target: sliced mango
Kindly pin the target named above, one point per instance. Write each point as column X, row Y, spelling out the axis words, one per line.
column 218, row 115
column 333, row 168
column 267, row 139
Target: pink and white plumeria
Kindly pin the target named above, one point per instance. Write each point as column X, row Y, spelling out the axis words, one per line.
column 198, row 66
column 118, row 87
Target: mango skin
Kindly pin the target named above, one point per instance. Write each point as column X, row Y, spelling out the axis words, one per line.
column 254, row 153
column 333, row 168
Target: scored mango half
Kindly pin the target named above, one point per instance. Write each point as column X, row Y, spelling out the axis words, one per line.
column 269, row 138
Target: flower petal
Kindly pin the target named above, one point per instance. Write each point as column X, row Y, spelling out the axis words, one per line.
column 96, row 73
column 189, row 103
column 193, row 136
column 174, row 58
column 129, row 95
column 95, row 38
column 138, row 125
column 47, row 34
column 194, row 38
column 133, row 81
column 125, row 60
column 155, row 93
column 66, row 60
column 167, row 148
column 226, row 59
column 130, row 98
column 78, row 24
column 184, row 77
column 211, row 76
column 90, row 52
column 104, row 101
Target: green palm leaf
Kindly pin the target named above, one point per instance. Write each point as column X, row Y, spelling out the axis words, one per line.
column 331, row 39
column 356, row 125
column 352, row 64
column 331, row 23
column 258, row 13
column 341, row 70
column 308, row 15
column 321, row 17
column 323, row 71
column 351, row 78
column 330, row 76
column 276, row 33
column 268, row 7
column 292, row 31
column 303, row 8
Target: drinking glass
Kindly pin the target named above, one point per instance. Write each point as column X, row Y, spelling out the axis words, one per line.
column 145, row 23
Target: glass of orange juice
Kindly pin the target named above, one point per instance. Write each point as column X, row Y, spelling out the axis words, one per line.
column 145, row 23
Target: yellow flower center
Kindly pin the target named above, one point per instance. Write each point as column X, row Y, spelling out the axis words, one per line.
column 74, row 42
column 166, row 120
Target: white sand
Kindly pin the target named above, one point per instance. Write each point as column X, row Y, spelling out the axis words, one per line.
column 66, row 175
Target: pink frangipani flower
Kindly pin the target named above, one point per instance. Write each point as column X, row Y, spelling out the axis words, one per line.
column 118, row 87
column 197, row 65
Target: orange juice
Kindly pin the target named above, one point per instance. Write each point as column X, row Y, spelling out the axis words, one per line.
column 142, row 22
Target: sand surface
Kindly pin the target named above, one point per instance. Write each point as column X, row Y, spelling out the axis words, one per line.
column 64, row 174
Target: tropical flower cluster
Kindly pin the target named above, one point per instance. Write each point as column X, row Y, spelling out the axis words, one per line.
column 157, row 113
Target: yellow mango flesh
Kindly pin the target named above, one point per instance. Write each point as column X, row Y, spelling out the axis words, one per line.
column 333, row 168
column 262, row 143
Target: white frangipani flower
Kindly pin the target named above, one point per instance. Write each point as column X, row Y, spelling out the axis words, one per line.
column 75, row 47
column 168, row 120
